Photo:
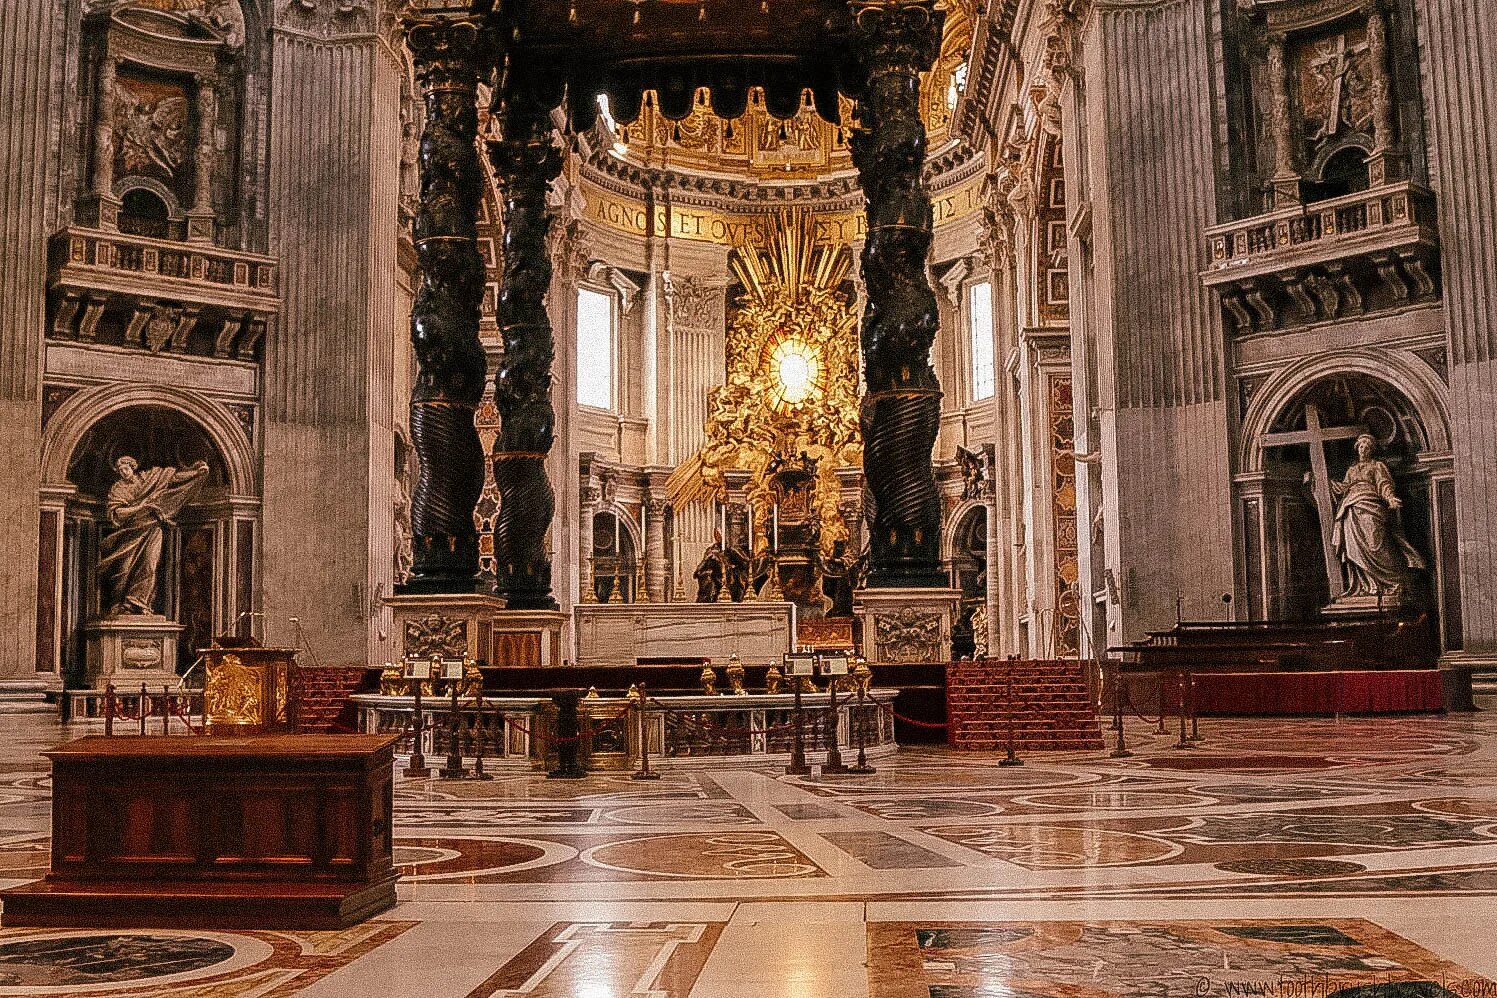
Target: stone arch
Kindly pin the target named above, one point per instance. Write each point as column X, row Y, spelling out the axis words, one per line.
column 954, row 526
column 1406, row 375
column 67, row 427
column 630, row 541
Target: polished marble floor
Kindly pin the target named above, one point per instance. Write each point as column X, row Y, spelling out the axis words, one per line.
column 1284, row 858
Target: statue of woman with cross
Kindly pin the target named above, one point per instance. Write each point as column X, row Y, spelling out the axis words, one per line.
column 1375, row 555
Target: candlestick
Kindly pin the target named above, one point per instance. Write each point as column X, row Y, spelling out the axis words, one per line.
column 776, row 528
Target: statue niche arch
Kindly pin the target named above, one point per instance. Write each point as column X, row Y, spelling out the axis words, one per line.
column 615, row 557
column 967, row 552
column 1304, row 528
column 204, row 574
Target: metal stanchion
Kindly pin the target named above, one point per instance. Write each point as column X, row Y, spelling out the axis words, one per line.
column 479, row 739
column 833, row 765
column 166, row 710
column 1117, row 683
column 1011, row 759
column 1119, row 694
column 417, row 767
column 860, row 730
column 1164, row 710
column 454, row 769
column 643, row 727
column 108, row 709
column 1195, row 731
column 142, row 704
column 568, row 734
column 1184, row 741
column 798, row 765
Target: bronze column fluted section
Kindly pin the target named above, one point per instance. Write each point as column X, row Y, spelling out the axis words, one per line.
column 526, row 163
column 444, row 316
column 892, row 44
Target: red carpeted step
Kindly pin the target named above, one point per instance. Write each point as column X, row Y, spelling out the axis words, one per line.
column 1049, row 702
column 324, row 706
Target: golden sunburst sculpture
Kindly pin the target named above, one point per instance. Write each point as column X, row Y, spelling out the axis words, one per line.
column 792, row 376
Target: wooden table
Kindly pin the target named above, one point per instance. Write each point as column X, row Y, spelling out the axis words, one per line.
column 270, row 831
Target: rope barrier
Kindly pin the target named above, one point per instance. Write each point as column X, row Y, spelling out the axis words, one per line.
column 1136, row 712
column 182, row 713
column 928, row 725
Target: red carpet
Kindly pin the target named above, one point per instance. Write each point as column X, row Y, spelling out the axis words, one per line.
column 1051, row 707
column 1318, row 693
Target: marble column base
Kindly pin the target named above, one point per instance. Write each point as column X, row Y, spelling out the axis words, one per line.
column 133, row 649
column 906, row 625
column 24, row 696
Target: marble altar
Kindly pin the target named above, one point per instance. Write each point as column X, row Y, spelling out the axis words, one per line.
column 619, row 635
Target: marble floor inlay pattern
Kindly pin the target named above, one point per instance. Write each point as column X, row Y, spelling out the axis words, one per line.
column 1354, row 858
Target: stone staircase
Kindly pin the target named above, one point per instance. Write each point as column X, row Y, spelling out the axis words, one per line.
column 1052, row 710
column 324, row 707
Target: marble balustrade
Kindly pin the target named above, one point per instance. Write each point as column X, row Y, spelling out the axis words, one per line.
column 705, row 730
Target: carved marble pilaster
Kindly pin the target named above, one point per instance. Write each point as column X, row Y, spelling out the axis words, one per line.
column 445, row 315
column 589, row 499
column 1285, row 180
column 200, row 222
column 100, row 208
column 654, row 561
column 1386, row 162
column 894, row 43
column 526, row 163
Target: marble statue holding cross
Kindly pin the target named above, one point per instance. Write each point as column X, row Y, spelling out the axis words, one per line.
column 1368, row 558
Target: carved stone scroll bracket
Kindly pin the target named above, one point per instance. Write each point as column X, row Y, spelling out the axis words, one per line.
column 445, row 315
column 902, row 408
column 526, row 162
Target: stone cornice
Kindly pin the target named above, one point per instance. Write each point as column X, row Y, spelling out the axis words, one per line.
column 954, row 164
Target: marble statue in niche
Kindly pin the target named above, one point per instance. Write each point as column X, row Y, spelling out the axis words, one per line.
column 1376, row 557
column 140, row 506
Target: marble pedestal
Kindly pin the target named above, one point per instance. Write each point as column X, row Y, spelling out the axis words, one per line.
column 617, row 635
column 129, row 650
column 24, row 696
column 441, row 625
column 477, row 627
column 906, row 625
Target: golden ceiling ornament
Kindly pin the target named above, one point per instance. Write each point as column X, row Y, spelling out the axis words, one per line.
column 804, row 147
column 792, row 375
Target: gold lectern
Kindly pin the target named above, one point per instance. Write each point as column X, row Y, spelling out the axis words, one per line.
column 249, row 688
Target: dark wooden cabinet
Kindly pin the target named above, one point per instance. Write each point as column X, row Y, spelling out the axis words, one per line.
column 274, row 831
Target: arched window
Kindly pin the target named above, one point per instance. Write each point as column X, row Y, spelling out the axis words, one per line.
column 597, row 313
column 980, row 331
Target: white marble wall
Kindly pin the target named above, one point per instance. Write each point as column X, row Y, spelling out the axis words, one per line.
column 1457, row 39
column 32, row 56
column 1157, row 334
column 329, row 367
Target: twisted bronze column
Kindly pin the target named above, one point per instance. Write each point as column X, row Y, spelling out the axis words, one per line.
column 526, row 163
column 444, row 317
column 892, row 44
